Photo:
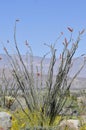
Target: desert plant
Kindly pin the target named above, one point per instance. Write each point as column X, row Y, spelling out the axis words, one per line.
column 6, row 87
column 56, row 87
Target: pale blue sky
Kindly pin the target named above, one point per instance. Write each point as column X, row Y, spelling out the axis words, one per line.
column 41, row 21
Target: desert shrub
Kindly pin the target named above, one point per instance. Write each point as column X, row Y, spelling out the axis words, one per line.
column 82, row 102
column 83, row 127
column 46, row 111
column 21, row 121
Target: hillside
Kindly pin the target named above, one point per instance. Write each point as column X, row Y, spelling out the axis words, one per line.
column 79, row 82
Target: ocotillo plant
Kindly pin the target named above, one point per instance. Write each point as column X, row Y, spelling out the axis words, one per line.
column 57, row 90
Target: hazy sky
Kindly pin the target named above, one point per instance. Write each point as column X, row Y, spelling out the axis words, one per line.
column 41, row 21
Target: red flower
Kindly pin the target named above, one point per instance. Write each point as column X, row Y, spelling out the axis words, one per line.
column 82, row 31
column 70, row 29
column 66, row 42
column 5, row 49
column 38, row 74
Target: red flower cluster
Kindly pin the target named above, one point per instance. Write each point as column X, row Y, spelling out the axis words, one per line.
column 38, row 74
column 70, row 29
column 5, row 49
column 66, row 42
column 82, row 31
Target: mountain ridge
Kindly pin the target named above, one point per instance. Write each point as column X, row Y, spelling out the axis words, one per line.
column 78, row 84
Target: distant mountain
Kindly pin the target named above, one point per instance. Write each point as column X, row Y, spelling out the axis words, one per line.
column 79, row 82
column 77, row 63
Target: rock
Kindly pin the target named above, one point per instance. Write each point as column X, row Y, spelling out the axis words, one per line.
column 70, row 124
column 5, row 121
